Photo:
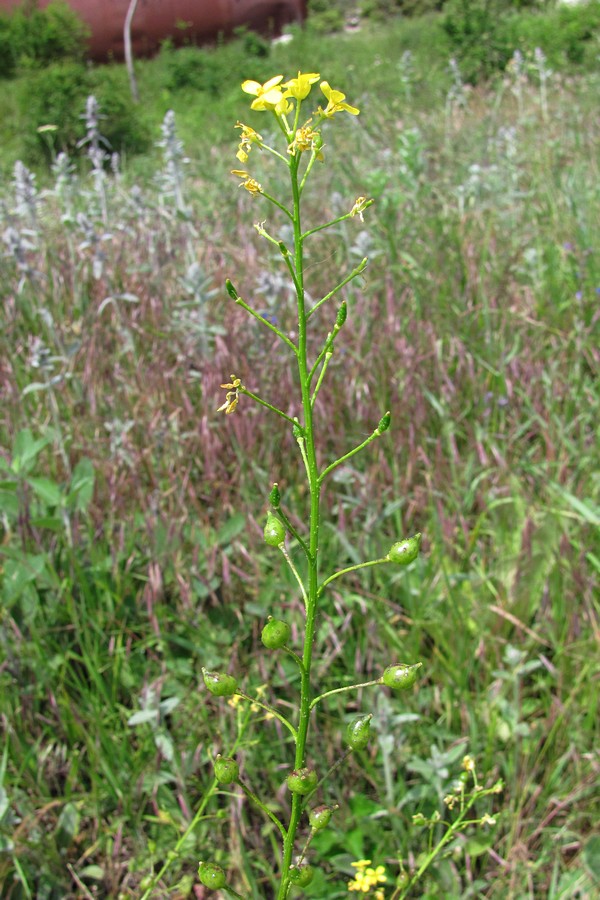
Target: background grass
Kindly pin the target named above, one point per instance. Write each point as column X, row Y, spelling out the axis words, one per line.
column 132, row 513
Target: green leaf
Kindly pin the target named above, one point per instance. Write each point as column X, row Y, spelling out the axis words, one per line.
column 81, row 489
column 234, row 526
column 67, row 826
column 18, row 573
column 47, row 490
column 25, row 450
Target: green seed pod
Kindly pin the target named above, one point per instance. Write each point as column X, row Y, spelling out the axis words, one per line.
column 211, row 876
column 226, row 769
column 302, row 875
column 341, row 314
column 302, row 781
column 400, row 678
column 402, row 879
column 275, row 634
column 358, row 732
column 274, row 531
column 320, row 817
column 297, row 431
column 384, row 423
column 219, row 684
column 275, row 496
column 405, row 552
column 231, row 290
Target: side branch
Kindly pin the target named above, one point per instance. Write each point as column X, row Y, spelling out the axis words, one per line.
column 360, row 268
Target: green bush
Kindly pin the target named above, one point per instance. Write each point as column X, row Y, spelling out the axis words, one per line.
column 481, row 36
column 57, row 97
column 566, row 34
column 42, row 36
column 7, row 54
column 212, row 69
column 325, row 16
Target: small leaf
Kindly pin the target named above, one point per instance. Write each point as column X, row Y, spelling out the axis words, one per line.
column 67, row 825
column 143, row 716
column 47, row 490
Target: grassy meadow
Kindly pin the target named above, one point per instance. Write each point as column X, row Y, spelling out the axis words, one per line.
column 131, row 513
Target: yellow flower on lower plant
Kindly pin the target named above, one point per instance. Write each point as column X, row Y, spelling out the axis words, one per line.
column 249, row 183
column 248, row 137
column 232, row 396
column 268, row 95
column 367, row 877
column 301, row 86
column 335, row 102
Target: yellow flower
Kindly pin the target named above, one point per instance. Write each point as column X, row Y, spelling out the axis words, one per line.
column 248, row 137
column 300, row 87
column 468, row 764
column 268, row 95
column 335, row 102
column 307, row 139
column 232, row 396
column 249, row 183
column 359, row 208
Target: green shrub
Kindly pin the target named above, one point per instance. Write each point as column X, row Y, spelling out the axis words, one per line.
column 212, row 70
column 7, row 54
column 42, row 36
column 58, row 97
column 325, row 16
column 566, row 34
column 55, row 97
column 481, row 36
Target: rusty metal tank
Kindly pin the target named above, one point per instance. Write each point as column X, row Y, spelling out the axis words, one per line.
column 181, row 20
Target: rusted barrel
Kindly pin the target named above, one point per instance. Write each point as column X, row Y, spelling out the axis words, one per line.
column 181, row 20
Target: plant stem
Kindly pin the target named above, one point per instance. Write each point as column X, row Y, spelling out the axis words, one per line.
column 310, row 460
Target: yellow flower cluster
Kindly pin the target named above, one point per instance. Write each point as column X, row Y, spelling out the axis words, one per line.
column 276, row 96
column 366, row 878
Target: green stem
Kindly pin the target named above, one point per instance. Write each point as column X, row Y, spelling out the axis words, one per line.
column 346, row 456
column 258, row 802
column 269, row 325
column 348, row 687
column 295, row 573
column 274, row 409
column 278, row 204
column 334, row 221
column 371, row 562
column 291, row 528
column 360, row 268
column 310, row 459
column 271, row 710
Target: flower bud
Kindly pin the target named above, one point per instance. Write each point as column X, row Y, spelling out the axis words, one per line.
column 219, row 684
column 275, row 496
column 320, row 817
column 275, row 634
column 384, row 423
column 400, row 678
column 231, row 290
column 302, row 875
column 358, row 732
column 211, row 876
column 226, row 769
column 405, row 552
column 274, row 531
column 341, row 314
column 302, row 781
